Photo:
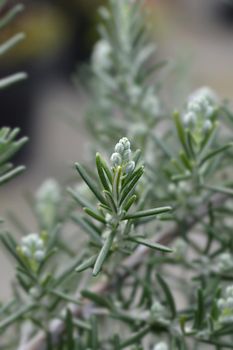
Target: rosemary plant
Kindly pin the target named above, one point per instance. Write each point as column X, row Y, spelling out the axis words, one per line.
column 154, row 270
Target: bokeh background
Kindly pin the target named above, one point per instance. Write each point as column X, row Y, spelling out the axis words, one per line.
column 194, row 35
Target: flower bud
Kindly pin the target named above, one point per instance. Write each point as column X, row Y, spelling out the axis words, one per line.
column 229, row 303
column 26, row 252
column 127, row 155
column 229, row 291
column 207, row 125
column 189, row 118
column 125, row 142
column 130, row 167
column 161, row 346
column 116, row 159
column 35, row 292
column 119, row 148
column 39, row 255
column 221, row 304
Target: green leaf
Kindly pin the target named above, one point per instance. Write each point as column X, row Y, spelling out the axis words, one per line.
column 101, row 173
column 130, row 202
column 215, row 152
column 168, row 295
column 136, row 156
column 117, row 182
column 129, row 188
column 87, row 263
column 16, row 316
column 148, row 212
column 66, row 273
column 70, row 342
column 131, row 177
column 64, row 296
column 82, row 201
column 103, row 253
column 94, row 333
column 102, row 163
column 10, row 244
column 200, row 312
column 219, row 189
column 89, row 229
column 135, row 338
column 110, row 201
column 97, row 299
column 90, row 183
column 149, row 244
column 94, row 215
column 180, row 131
column 185, row 160
column 10, row 174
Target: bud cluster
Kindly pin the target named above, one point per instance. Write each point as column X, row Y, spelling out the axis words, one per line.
column 224, row 262
column 201, row 108
column 225, row 306
column 122, row 156
column 32, row 247
column 47, row 199
column 157, row 311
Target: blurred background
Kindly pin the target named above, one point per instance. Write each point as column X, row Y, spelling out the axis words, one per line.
column 195, row 37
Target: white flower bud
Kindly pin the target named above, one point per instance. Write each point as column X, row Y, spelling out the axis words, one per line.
column 39, row 255
column 35, row 292
column 26, row 252
column 229, row 303
column 39, row 244
column 157, row 308
column 172, row 188
column 194, row 107
column 116, row 159
column 221, row 304
column 30, row 239
column 119, row 148
column 130, row 167
column 229, row 291
column 127, row 155
column 189, row 118
column 161, row 346
column 207, row 125
column 125, row 142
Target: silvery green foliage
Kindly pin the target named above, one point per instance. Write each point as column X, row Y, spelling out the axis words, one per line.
column 120, row 83
column 145, row 276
